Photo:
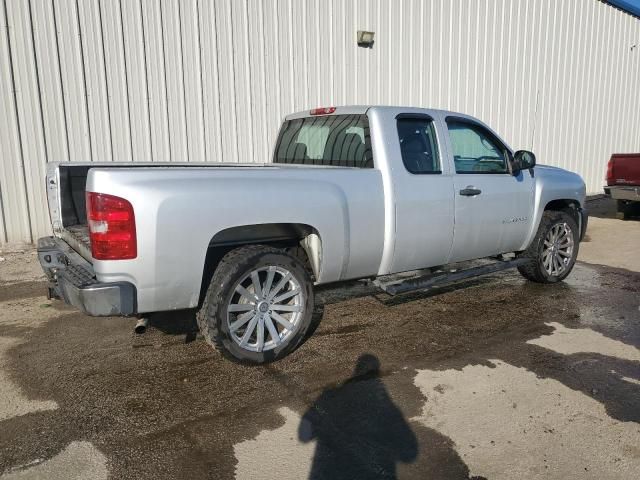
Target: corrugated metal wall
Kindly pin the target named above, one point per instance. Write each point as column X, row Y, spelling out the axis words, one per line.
column 197, row 80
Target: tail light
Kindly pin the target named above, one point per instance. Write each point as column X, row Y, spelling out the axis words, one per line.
column 112, row 227
column 610, row 178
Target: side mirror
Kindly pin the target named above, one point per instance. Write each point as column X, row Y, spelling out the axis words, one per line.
column 522, row 160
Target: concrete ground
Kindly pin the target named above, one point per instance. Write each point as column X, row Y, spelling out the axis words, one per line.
column 493, row 378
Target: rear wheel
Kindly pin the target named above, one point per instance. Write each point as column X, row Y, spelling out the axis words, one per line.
column 258, row 306
column 554, row 249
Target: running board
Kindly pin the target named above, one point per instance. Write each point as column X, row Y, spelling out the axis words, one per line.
column 427, row 281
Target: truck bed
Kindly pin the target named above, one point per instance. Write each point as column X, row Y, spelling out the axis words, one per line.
column 72, row 177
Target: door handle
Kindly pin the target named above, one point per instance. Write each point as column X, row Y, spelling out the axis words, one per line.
column 470, row 191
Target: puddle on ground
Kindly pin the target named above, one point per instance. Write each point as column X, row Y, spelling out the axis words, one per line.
column 12, row 401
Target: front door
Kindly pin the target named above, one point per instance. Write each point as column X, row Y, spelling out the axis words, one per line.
column 493, row 208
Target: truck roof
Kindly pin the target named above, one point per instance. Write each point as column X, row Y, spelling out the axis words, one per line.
column 394, row 109
column 362, row 109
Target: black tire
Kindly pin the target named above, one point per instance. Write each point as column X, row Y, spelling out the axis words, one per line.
column 535, row 270
column 234, row 266
column 625, row 209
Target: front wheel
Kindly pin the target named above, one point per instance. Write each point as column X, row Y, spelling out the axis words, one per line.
column 554, row 249
column 258, row 306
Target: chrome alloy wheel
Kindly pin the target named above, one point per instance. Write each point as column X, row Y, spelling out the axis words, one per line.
column 265, row 308
column 557, row 249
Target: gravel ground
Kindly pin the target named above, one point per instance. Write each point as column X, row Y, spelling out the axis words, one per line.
column 491, row 378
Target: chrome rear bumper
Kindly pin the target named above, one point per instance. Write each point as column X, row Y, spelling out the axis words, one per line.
column 72, row 279
column 621, row 192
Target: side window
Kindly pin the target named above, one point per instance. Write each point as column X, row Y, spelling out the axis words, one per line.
column 476, row 150
column 418, row 145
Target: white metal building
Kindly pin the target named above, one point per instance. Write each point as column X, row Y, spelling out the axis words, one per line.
column 199, row 80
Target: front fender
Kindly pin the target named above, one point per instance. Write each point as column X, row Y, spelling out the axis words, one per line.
column 554, row 184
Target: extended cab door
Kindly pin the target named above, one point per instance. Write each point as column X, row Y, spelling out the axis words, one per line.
column 493, row 208
column 423, row 194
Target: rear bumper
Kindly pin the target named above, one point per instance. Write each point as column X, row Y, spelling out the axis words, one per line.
column 72, row 279
column 623, row 192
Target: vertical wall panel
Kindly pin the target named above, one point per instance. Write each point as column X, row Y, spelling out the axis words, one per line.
column 136, row 79
column 117, row 81
column 72, row 79
column 174, row 76
column 257, row 86
column 29, row 108
column 313, row 74
column 588, row 98
column 299, row 46
column 91, row 37
column 192, row 72
column 14, row 208
column 336, row 46
column 210, row 81
column 242, row 63
column 49, row 80
column 225, row 42
column 156, row 80
column 200, row 80
column 273, row 99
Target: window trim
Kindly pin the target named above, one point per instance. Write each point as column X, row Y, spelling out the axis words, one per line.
column 432, row 122
column 493, row 136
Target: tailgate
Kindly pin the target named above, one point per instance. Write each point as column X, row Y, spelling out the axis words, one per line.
column 625, row 169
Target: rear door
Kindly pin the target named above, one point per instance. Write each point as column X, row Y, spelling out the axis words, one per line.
column 423, row 196
column 493, row 208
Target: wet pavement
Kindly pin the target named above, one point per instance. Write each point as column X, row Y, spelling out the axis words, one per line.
column 492, row 378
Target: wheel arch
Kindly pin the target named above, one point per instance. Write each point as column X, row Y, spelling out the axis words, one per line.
column 571, row 206
column 299, row 239
column 568, row 205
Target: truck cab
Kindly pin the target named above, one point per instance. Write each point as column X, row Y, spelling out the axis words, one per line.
column 452, row 188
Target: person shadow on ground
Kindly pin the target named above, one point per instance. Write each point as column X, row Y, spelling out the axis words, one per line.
column 360, row 432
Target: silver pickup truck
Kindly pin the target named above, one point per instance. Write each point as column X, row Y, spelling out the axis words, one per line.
column 352, row 192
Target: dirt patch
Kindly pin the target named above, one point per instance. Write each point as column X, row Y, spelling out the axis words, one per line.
column 612, row 242
column 19, row 266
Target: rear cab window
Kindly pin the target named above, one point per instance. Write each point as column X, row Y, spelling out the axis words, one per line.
column 330, row 140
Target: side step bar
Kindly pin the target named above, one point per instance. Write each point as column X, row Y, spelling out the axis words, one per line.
column 427, row 281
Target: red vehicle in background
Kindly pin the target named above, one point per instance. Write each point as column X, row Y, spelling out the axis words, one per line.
column 623, row 182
